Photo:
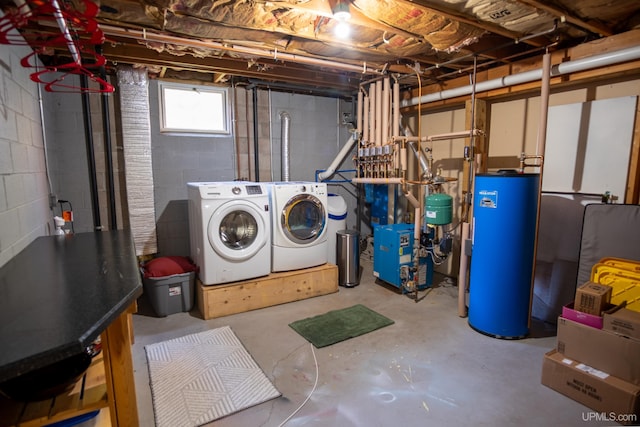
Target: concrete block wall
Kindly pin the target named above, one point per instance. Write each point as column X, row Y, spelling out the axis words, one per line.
column 24, row 189
column 64, row 127
column 67, row 150
column 316, row 138
column 178, row 160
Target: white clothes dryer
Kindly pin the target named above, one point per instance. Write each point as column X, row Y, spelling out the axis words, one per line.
column 299, row 217
column 230, row 230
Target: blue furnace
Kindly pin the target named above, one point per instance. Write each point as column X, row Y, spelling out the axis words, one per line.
column 393, row 254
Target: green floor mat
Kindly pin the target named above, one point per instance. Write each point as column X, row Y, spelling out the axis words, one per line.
column 339, row 325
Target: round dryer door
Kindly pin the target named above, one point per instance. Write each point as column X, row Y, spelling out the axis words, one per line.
column 303, row 219
column 237, row 230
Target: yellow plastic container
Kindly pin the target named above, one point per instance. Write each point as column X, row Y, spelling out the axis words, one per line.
column 621, row 263
column 625, row 284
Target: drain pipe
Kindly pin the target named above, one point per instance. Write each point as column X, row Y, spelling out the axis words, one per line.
column 91, row 158
column 256, row 146
column 285, row 125
column 106, row 129
column 595, row 61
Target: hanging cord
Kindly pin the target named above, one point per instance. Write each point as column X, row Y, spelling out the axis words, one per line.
column 315, row 384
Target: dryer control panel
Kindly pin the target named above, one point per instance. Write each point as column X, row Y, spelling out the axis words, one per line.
column 253, row 189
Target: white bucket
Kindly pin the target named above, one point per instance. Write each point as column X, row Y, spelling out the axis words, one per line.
column 337, row 209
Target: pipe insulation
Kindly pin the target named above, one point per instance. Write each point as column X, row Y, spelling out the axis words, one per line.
column 395, row 122
column 544, row 104
column 359, row 109
column 378, row 122
column 584, row 64
column 463, row 271
column 365, row 119
column 372, row 112
column 285, row 158
column 377, row 180
column 386, row 106
column 344, row 152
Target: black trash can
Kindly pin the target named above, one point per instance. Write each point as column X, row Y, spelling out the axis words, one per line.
column 348, row 257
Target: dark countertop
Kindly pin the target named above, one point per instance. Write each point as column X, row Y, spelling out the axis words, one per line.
column 60, row 293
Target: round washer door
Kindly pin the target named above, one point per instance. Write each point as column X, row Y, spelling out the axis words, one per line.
column 237, row 230
column 303, row 219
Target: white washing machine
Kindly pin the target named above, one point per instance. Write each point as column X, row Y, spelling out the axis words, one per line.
column 299, row 217
column 230, row 230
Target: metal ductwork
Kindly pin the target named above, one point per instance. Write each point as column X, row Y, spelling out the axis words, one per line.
column 285, row 127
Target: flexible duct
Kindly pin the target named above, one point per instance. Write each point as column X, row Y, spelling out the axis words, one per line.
column 344, row 152
column 285, row 125
column 595, row 61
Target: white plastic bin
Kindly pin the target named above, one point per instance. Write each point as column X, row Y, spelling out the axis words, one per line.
column 337, row 209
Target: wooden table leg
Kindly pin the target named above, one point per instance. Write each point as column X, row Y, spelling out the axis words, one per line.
column 118, row 366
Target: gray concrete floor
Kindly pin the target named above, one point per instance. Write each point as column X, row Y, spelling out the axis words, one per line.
column 428, row 369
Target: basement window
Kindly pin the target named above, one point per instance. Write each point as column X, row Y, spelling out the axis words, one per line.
column 193, row 109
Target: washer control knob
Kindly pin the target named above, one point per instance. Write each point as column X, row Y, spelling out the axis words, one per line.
column 236, row 190
column 303, row 188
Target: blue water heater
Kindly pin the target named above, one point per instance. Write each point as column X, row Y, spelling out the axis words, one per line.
column 503, row 242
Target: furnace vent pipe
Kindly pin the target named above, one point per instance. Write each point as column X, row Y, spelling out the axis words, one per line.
column 344, row 152
column 595, row 61
column 285, row 126
column 424, row 164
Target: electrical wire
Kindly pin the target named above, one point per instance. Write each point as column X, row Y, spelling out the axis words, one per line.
column 436, row 259
column 315, row 384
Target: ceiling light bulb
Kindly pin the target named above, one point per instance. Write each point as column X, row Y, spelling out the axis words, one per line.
column 341, row 10
column 342, row 30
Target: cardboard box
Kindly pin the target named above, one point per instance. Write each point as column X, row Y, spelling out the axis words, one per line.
column 568, row 312
column 623, row 321
column 612, row 397
column 592, row 297
column 604, row 350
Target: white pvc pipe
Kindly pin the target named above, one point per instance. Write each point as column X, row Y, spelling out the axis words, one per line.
column 344, row 152
column 595, row 61
column 378, row 112
column 544, row 104
column 386, row 106
column 395, row 122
